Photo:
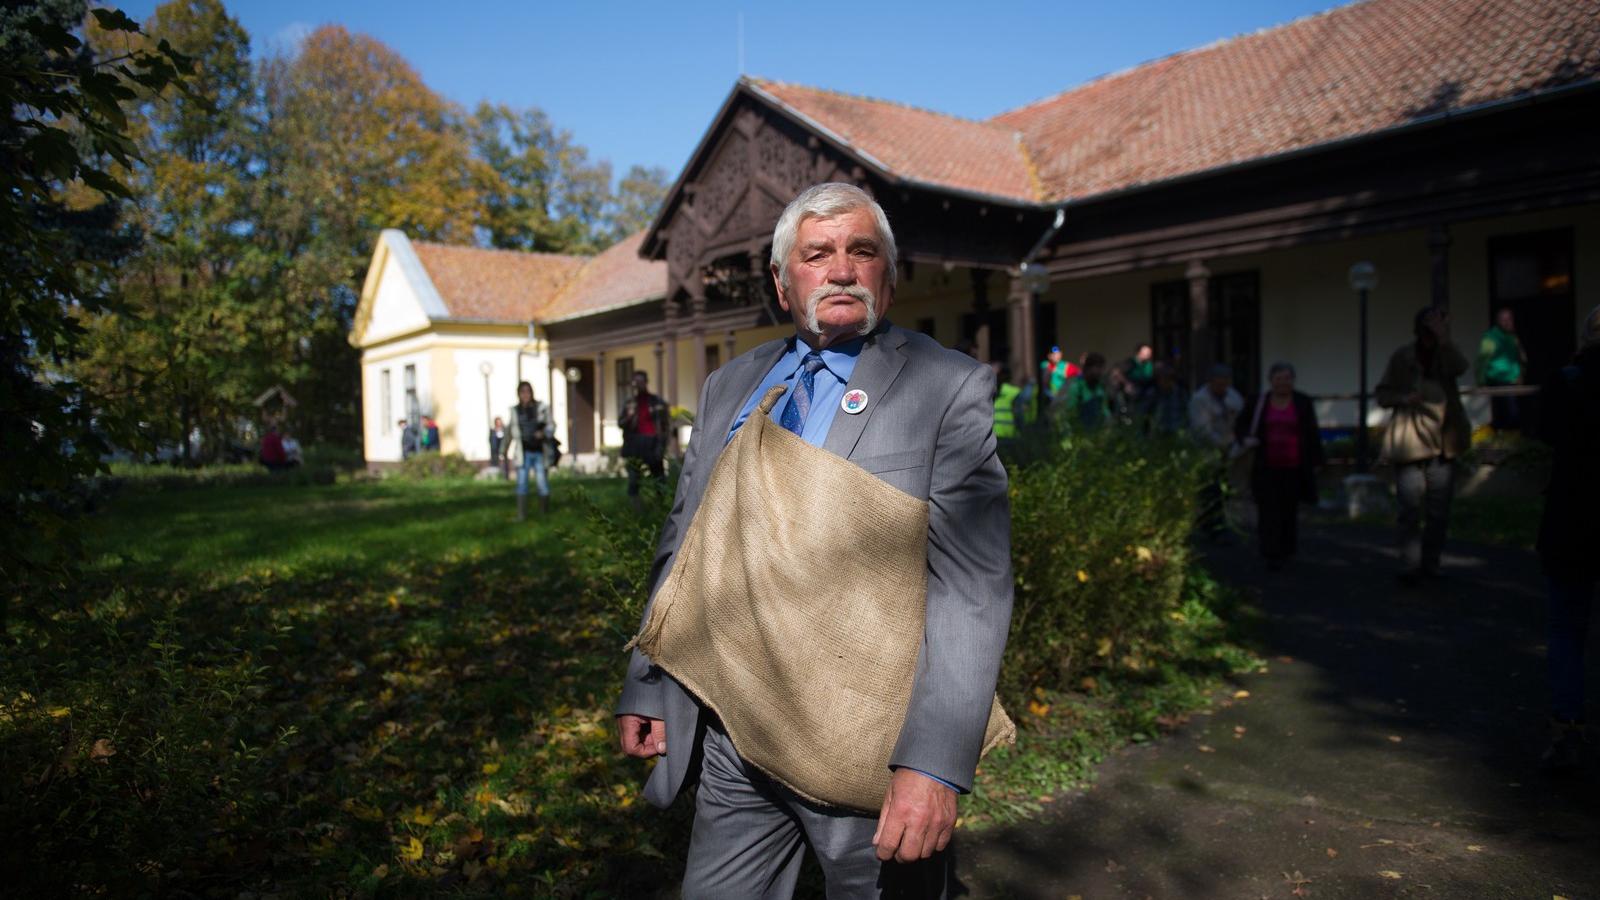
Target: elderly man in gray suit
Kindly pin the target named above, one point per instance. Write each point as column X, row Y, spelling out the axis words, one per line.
column 919, row 417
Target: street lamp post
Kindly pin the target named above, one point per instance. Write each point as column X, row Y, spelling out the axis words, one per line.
column 487, row 368
column 1363, row 278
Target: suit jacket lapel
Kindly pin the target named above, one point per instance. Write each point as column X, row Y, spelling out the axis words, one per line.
column 743, row 376
column 880, row 362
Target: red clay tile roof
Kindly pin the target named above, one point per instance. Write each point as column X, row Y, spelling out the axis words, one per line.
column 1351, row 71
column 913, row 143
column 495, row 285
column 616, row 277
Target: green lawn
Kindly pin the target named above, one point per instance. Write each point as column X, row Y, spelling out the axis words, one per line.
column 305, row 689
column 392, row 688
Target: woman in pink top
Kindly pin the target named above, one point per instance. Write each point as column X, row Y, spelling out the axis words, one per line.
column 1281, row 426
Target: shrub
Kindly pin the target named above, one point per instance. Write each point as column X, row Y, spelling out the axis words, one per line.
column 127, row 755
column 1099, row 541
column 436, row 465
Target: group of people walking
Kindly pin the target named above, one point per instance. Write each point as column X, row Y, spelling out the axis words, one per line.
column 530, row 440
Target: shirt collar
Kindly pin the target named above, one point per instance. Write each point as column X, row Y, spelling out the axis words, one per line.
column 840, row 359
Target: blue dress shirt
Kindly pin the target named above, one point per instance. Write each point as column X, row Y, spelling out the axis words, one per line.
column 839, row 363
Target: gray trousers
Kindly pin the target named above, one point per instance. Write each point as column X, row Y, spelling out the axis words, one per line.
column 1424, row 489
column 750, row 835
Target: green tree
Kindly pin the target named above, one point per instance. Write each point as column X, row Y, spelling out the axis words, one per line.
column 63, row 140
column 179, row 349
column 350, row 141
column 638, row 199
column 539, row 190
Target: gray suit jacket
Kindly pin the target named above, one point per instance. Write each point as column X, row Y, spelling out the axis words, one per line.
column 927, row 430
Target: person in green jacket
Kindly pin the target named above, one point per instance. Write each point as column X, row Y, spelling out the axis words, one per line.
column 1501, row 363
column 1086, row 394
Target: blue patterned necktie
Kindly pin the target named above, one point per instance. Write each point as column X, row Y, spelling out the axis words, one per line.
column 799, row 406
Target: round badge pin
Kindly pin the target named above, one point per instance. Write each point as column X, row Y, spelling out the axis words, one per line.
column 854, row 401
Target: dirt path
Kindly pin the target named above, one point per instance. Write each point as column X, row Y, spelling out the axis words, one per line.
column 1388, row 751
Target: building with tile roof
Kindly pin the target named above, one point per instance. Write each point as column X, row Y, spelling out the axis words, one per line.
column 448, row 332
column 1209, row 203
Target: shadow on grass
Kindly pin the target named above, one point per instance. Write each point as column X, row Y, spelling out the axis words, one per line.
column 362, row 687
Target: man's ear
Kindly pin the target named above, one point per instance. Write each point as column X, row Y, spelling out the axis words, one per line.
column 777, row 284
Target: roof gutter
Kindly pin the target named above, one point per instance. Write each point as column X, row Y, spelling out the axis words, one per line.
column 1049, row 235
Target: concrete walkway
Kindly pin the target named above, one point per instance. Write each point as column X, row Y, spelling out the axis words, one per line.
column 1389, row 750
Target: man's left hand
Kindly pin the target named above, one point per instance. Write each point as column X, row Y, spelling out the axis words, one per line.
column 918, row 817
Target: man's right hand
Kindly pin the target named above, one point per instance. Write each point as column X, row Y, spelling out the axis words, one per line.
column 642, row 737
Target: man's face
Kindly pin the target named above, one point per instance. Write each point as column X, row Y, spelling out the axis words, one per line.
column 1219, row 384
column 838, row 278
column 1054, row 357
column 1092, row 372
column 1144, row 353
column 1506, row 321
column 640, row 383
column 1282, row 381
column 524, row 395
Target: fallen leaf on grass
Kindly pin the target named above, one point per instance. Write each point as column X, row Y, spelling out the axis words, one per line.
column 102, row 751
column 1390, row 874
column 1039, row 709
column 412, row 851
column 1207, row 748
column 1113, row 866
column 1395, row 739
column 1332, row 853
column 1475, row 848
column 1240, row 695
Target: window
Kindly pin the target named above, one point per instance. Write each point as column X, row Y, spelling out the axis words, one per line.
column 413, row 407
column 713, row 357
column 386, row 402
column 1234, row 307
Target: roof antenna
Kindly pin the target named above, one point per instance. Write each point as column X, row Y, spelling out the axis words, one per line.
column 741, row 42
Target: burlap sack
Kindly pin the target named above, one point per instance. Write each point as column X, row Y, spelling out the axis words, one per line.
column 794, row 610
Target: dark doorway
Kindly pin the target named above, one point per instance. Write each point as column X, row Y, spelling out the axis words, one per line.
column 1532, row 275
column 1044, row 333
column 999, row 332
column 1234, row 304
column 580, row 405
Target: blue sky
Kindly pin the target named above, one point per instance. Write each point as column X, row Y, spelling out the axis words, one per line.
column 639, row 82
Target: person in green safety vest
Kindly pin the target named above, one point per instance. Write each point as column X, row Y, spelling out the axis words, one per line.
column 1007, row 402
column 1501, row 361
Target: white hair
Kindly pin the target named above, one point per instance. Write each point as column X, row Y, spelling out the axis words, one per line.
column 824, row 201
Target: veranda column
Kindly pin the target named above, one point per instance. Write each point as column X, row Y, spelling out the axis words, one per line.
column 1439, row 269
column 697, row 329
column 728, row 345
column 600, row 400
column 980, row 311
column 669, row 337
column 1020, row 306
column 1200, row 341
column 661, row 375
